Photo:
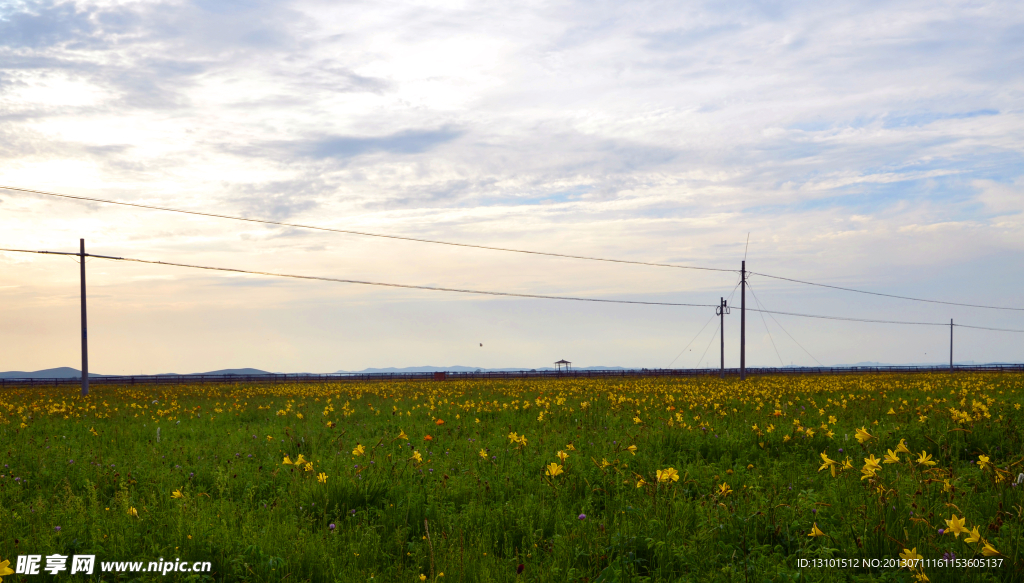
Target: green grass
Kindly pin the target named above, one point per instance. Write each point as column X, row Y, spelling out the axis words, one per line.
column 478, row 519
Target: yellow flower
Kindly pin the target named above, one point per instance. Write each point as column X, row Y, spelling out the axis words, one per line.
column 92, row 430
column 483, row 453
column 177, row 494
column 402, row 435
column 5, row 569
column 902, row 447
column 946, row 486
column 570, row 447
column 847, row 463
column 554, row 469
column 815, row 531
column 637, row 420
column 359, row 450
column 863, row 435
column 309, row 466
column 300, row 460
column 828, row 463
column 891, row 458
column 770, row 428
column 832, row 420
column 423, row 577
column 668, row 475
column 641, row 483
column 810, row 433
column 785, row 438
column 910, row 557
column 416, row 456
column 133, row 512
column 956, row 526
column 983, row 462
column 287, row 461
column 922, row 418
column 830, row 434
column 322, row 477
column 561, row 455
column 513, row 437
column 269, row 438
column 631, row 449
column 990, row 551
column 974, row 536
column 921, row 577
column 926, row 459
column 724, row 490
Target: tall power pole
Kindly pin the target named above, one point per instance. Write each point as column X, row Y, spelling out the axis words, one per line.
column 743, row 320
column 722, row 310
column 951, row 345
column 85, row 336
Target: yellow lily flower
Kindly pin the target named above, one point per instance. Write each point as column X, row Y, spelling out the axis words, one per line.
column 300, row 460
column 483, row 453
column 724, row 490
column 983, row 462
column 322, row 477
column 902, row 447
column 177, row 494
column 561, row 455
column 667, row 475
column 287, row 461
column 973, row 536
column 956, row 526
column 925, row 459
column 5, row 569
column 554, row 469
column 910, row 557
column 416, row 456
column 402, row 435
column 359, row 450
column 891, row 458
column 631, row 449
column 815, row 531
column 862, row 435
column 828, row 463
column 990, row 551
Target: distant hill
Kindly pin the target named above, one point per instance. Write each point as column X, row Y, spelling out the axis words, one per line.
column 50, row 373
column 68, row 372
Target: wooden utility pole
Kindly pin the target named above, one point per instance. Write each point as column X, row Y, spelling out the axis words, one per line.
column 743, row 320
column 85, row 336
column 722, row 310
column 951, row 345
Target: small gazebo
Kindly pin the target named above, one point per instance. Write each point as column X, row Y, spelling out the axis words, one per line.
column 564, row 365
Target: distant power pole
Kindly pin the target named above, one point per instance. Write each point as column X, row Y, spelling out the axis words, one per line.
column 951, row 345
column 722, row 310
column 85, row 336
column 743, row 320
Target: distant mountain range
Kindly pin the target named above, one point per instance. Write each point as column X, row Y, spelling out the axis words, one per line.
column 68, row 372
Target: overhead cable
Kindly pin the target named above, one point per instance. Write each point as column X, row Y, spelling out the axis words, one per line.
column 871, row 293
column 359, row 282
column 352, row 232
column 492, row 293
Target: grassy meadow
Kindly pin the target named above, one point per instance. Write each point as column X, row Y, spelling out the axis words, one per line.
column 631, row 479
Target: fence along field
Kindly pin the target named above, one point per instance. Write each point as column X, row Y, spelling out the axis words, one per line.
column 573, row 479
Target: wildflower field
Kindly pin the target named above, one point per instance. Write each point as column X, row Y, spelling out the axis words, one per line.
column 850, row 478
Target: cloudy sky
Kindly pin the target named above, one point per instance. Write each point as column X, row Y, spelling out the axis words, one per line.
column 868, row 145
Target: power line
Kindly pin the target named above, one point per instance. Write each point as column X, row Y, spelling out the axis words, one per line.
column 698, row 333
column 781, row 327
column 354, row 281
column 871, row 293
column 765, row 322
column 351, row 232
column 492, row 293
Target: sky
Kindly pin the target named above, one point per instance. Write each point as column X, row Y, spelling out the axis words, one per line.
column 873, row 145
